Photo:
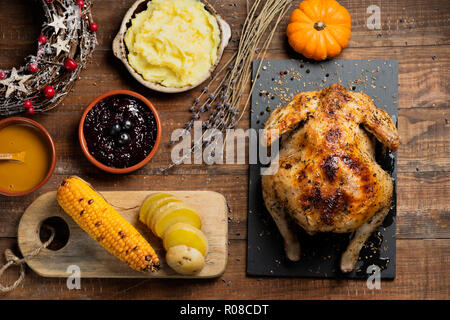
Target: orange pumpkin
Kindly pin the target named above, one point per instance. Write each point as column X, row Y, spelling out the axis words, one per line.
column 319, row 29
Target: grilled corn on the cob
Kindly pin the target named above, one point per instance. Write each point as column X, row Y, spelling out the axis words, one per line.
column 104, row 224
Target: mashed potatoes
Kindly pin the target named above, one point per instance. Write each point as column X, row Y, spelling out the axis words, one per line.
column 174, row 42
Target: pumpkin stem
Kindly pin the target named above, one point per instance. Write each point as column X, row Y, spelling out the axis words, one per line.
column 319, row 25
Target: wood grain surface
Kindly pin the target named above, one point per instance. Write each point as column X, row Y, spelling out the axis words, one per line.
column 95, row 262
column 416, row 33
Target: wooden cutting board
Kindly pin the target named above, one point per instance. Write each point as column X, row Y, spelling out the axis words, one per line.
column 95, row 262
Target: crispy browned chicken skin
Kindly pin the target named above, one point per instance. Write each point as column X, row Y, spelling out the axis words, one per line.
column 328, row 179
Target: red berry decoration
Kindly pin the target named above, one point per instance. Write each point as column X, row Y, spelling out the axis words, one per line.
column 93, row 27
column 28, row 104
column 70, row 64
column 32, row 68
column 49, row 92
column 42, row 39
column 38, row 82
column 30, row 111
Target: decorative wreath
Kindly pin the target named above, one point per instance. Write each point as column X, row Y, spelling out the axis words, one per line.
column 67, row 40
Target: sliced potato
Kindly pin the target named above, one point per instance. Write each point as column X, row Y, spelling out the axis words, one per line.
column 156, row 206
column 185, row 260
column 152, row 204
column 171, row 205
column 183, row 233
column 173, row 213
column 149, row 202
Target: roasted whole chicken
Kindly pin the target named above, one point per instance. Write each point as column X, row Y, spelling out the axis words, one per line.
column 328, row 178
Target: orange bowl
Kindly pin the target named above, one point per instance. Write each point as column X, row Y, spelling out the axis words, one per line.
column 50, row 144
column 83, row 142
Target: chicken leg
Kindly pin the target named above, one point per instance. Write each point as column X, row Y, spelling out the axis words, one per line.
column 351, row 254
column 282, row 220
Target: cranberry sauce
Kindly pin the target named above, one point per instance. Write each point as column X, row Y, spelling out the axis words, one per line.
column 120, row 131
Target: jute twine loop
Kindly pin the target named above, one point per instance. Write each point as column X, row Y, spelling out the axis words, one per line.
column 12, row 259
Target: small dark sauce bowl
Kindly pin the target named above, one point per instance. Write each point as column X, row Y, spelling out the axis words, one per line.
column 84, row 144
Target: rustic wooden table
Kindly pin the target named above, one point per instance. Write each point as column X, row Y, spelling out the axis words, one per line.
column 417, row 33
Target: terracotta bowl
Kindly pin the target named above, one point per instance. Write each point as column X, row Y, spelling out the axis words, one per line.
column 121, row 52
column 83, row 143
column 50, row 144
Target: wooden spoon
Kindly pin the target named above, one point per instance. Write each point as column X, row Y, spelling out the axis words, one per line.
column 19, row 156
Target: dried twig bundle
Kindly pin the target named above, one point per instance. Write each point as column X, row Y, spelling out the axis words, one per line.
column 218, row 104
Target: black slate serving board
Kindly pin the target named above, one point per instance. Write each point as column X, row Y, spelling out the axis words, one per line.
column 278, row 82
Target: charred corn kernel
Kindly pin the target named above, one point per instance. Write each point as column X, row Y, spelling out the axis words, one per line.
column 104, row 224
